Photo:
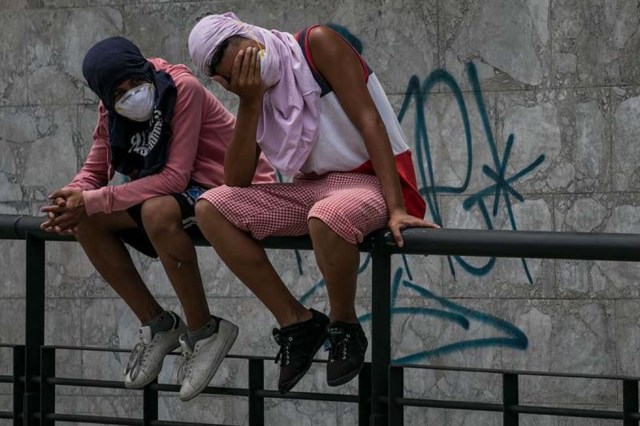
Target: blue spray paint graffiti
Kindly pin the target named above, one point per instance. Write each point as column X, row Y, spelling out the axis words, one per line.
column 417, row 95
column 503, row 186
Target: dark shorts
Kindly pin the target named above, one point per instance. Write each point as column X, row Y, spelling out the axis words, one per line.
column 137, row 237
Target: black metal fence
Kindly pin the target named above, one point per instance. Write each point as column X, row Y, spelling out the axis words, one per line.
column 380, row 397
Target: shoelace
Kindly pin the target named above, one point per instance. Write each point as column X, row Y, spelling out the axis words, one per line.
column 136, row 359
column 282, row 356
column 184, row 368
column 338, row 344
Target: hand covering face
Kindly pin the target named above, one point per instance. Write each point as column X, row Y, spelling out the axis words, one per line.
column 288, row 124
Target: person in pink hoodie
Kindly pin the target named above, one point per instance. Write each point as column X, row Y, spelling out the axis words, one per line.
column 167, row 134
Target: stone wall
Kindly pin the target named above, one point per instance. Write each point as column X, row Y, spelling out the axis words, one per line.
column 522, row 115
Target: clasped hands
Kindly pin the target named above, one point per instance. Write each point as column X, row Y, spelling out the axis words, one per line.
column 65, row 211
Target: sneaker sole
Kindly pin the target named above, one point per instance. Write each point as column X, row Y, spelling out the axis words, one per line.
column 345, row 379
column 146, row 382
column 299, row 377
column 225, row 350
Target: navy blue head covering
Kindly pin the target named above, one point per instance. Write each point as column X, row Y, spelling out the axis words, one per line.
column 138, row 149
column 110, row 62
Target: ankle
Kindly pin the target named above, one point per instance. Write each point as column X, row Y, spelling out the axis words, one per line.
column 345, row 317
column 207, row 330
column 150, row 314
column 194, row 322
column 295, row 317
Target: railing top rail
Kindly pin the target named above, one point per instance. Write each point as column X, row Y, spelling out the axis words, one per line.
column 516, row 372
column 128, row 350
column 407, row 366
column 514, row 244
column 461, row 242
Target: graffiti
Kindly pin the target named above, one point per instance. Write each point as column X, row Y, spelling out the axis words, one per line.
column 418, row 95
column 513, row 337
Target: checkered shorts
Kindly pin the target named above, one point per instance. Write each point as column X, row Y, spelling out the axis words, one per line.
column 351, row 204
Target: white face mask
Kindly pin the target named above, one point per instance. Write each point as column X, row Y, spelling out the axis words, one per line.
column 137, row 104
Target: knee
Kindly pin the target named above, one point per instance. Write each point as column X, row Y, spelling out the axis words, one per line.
column 317, row 226
column 320, row 231
column 331, row 222
column 87, row 227
column 161, row 217
column 207, row 215
column 326, row 217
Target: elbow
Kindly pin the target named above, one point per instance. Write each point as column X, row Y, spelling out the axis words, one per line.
column 176, row 182
column 376, row 125
column 240, row 178
column 238, row 184
column 372, row 126
column 236, row 181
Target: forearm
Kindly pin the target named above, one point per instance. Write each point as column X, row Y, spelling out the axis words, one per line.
column 383, row 162
column 242, row 153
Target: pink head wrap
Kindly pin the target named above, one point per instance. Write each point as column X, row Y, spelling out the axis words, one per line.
column 288, row 125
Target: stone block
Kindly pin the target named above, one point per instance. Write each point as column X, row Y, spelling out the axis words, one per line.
column 13, row 62
column 611, row 213
column 399, row 38
column 47, row 154
column 593, row 42
column 58, row 40
column 509, row 41
column 204, row 408
column 439, row 331
column 447, row 154
column 628, row 336
column 69, row 271
column 111, row 406
column 625, row 150
column 12, row 311
column 560, row 139
column 465, row 276
column 50, row 4
column 567, row 336
column 143, row 20
column 303, row 413
column 13, row 279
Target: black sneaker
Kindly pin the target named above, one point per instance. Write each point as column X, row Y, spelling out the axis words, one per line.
column 298, row 344
column 348, row 345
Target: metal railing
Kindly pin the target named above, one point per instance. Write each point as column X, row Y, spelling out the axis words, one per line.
column 380, row 395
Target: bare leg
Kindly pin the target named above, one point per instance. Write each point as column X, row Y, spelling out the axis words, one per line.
column 338, row 261
column 162, row 221
column 107, row 253
column 249, row 262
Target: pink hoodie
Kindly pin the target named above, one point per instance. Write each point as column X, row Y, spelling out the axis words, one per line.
column 202, row 129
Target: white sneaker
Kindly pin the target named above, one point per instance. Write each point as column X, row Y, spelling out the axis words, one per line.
column 145, row 361
column 202, row 362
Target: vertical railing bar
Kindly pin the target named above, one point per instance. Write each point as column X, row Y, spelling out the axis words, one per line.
column 629, row 401
column 396, row 390
column 510, row 399
column 34, row 324
column 380, row 332
column 364, row 395
column 18, row 385
column 150, row 403
column 47, row 391
column 256, row 383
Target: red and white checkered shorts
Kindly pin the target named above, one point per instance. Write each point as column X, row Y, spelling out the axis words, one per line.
column 351, row 204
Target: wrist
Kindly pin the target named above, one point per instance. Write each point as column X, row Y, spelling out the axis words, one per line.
column 253, row 101
column 397, row 210
column 81, row 199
